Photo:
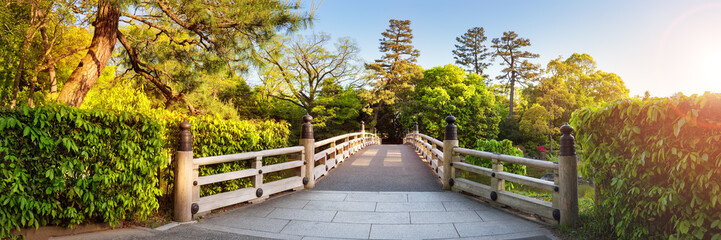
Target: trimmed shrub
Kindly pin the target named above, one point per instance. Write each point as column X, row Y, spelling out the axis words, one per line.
column 63, row 166
column 505, row 147
column 656, row 164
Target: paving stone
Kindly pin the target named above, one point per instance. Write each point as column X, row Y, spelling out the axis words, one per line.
column 496, row 215
column 342, row 206
column 474, row 229
column 373, row 217
column 466, row 205
column 249, row 211
column 250, row 223
column 435, row 196
column 302, row 214
column 323, row 196
column 410, row 207
column 328, row 230
column 286, row 202
column 415, row 231
column 444, row 217
column 377, row 197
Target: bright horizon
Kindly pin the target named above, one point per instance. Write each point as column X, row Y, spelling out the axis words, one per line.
column 664, row 47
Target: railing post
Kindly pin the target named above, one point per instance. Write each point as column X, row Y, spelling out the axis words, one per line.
column 497, row 184
column 450, row 140
column 568, row 174
column 182, row 207
column 363, row 133
column 258, row 180
column 308, row 143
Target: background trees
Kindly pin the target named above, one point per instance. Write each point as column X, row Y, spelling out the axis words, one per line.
column 518, row 68
column 395, row 73
column 471, row 51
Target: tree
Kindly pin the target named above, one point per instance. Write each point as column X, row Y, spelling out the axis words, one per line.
column 301, row 67
column 395, row 71
column 192, row 37
column 470, row 51
column 448, row 90
column 38, row 44
column 590, row 86
column 518, row 69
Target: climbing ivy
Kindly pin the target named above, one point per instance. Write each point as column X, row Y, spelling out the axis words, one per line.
column 64, row 166
column 656, row 164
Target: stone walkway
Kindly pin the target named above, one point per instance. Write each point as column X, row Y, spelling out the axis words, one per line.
column 420, row 212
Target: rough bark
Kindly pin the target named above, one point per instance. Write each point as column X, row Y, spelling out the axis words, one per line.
column 93, row 63
column 51, row 67
column 148, row 73
column 19, row 73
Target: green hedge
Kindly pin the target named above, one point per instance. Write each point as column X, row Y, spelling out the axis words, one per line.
column 63, row 166
column 505, row 147
column 656, row 164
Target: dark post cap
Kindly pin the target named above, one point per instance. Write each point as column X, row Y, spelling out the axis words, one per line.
column 451, row 130
column 185, row 125
column 450, row 119
column 566, row 129
column 567, row 142
column 186, row 138
column 307, row 131
column 307, row 118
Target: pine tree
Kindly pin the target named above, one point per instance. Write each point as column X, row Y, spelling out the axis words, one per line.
column 470, row 51
column 518, row 69
column 169, row 43
column 396, row 71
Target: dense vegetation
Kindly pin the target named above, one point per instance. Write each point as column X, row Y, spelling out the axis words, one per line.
column 179, row 61
column 65, row 166
column 655, row 163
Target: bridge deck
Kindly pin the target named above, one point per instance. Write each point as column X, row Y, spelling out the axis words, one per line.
column 382, row 168
column 382, row 192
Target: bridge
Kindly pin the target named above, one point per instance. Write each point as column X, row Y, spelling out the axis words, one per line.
column 351, row 187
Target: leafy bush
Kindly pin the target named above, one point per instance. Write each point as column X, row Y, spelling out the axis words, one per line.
column 63, row 166
column 503, row 147
column 656, row 164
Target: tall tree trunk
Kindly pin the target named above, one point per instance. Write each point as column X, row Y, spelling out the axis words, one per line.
column 31, row 95
column 19, row 73
column 513, row 90
column 93, row 63
column 375, row 115
column 51, row 69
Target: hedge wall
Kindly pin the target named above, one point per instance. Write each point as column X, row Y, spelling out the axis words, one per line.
column 63, row 166
column 656, row 164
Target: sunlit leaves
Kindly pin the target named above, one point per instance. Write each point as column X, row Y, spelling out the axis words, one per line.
column 656, row 164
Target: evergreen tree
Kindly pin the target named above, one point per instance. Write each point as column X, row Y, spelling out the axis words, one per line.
column 396, row 71
column 171, row 43
column 518, row 69
column 470, row 51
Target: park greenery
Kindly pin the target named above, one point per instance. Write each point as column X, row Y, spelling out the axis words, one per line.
column 92, row 92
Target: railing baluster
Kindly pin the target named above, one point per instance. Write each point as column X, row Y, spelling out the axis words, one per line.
column 308, row 143
column 450, row 140
column 568, row 174
column 183, row 176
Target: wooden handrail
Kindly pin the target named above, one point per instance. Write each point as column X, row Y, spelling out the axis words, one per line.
column 245, row 156
column 564, row 205
column 187, row 185
column 508, row 158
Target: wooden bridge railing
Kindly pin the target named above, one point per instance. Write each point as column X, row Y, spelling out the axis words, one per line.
column 308, row 166
column 449, row 162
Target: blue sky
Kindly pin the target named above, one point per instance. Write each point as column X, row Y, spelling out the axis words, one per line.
column 660, row 46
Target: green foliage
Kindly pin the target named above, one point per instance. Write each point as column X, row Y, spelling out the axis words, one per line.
column 470, row 51
column 503, row 147
column 517, row 67
column 449, row 90
column 395, row 74
column 656, row 165
column 64, row 166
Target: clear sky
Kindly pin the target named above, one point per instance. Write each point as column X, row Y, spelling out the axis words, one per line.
column 660, row 46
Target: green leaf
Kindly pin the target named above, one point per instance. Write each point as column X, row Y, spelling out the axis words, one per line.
column 684, row 226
